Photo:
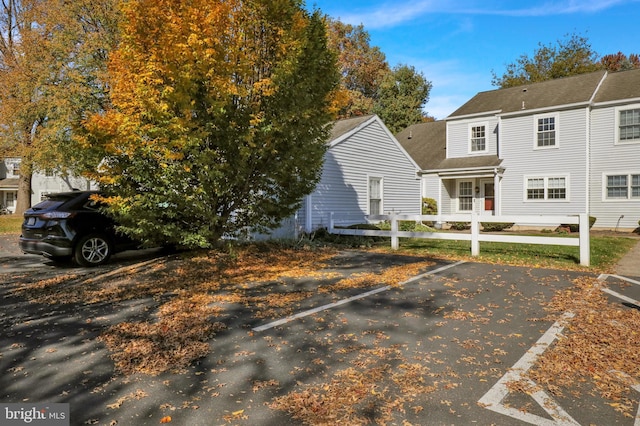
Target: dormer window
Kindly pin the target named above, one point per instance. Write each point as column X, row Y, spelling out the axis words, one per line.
column 478, row 138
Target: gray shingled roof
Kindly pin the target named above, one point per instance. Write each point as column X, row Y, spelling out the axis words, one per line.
column 619, row 85
column 342, row 127
column 479, row 162
column 558, row 92
column 9, row 183
column 425, row 143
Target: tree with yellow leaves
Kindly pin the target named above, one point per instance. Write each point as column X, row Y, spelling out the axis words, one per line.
column 218, row 120
column 52, row 55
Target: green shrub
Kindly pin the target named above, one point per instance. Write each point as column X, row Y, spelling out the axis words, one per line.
column 369, row 226
column 576, row 227
column 429, row 206
column 460, row 226
column 496, row 226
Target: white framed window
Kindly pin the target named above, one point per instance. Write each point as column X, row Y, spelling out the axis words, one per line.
column 375, row 195
column 465, row 196
column 43, row 194
column 545, row 131
column 628, row 125
column 11, row 199
column 478, row 138
column 546, row 188
column 622, row 186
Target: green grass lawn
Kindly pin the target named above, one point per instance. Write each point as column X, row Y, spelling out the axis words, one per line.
column 10, row 224
column 605, row 252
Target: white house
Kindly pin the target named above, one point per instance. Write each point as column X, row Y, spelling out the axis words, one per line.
column 42, row 183
column 9, row 174
column 366, row 172
column 564, row 146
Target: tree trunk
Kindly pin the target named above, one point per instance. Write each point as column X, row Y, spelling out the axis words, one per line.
column 24, row 188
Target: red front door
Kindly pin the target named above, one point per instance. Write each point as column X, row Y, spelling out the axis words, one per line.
column 489, row 197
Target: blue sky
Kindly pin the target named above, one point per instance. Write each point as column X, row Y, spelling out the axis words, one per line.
column 457, row 44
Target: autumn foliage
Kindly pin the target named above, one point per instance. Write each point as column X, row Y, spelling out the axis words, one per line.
column 218, row 120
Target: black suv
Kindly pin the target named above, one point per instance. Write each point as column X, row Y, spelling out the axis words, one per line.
column 70, row 225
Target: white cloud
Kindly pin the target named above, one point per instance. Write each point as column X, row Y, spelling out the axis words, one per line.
column 390, row 14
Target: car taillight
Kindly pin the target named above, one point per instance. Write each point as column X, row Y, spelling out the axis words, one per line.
column 56, row 215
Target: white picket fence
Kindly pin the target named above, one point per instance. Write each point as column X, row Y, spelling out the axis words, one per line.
column 476, row 236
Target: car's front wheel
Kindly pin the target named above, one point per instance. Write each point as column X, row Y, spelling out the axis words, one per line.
column 93, row 250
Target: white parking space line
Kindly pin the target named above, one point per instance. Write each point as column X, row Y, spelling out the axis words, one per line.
column 493, row 399
column 604, row 277
column 350, row 299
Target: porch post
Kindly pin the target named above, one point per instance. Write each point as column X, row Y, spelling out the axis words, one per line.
column 497, row 202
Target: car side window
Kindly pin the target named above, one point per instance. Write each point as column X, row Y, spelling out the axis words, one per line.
column 93, row 205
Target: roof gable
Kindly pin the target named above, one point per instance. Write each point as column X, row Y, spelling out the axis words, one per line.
column 342, row 128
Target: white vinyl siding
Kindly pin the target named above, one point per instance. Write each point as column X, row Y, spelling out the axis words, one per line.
column 610, row 157
column 459, row 135
column 522, row 161
column 344, row 185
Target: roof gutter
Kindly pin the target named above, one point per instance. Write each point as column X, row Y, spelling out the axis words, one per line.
column 544, row 109
column 474, row 115
column 616, row 102
column 463, row 170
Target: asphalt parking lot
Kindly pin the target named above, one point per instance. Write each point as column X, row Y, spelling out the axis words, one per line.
column 443, row 345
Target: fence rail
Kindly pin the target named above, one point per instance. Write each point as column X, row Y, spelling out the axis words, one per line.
column 475, row 237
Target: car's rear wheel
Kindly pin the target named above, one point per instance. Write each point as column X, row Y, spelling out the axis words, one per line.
column 93, row 250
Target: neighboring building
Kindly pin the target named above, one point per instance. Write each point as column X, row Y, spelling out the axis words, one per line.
column 9, row 174
column 559, row 147
column 42, row 183
column 366, row 172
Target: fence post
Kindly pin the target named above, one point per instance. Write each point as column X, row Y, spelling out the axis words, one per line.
column 585, row 243
column 394, row 232
column 331, row 223
column 475, row 234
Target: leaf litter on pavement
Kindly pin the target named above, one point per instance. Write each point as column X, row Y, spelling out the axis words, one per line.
column 599, row 351
column 191, row 295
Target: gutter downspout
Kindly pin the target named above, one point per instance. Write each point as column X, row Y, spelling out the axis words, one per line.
column 588, row 161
